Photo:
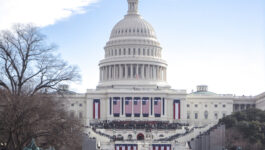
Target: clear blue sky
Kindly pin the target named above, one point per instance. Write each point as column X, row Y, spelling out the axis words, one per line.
column 220, row 43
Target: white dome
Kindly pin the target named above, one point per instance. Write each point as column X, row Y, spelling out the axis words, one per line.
column 133, row 55
column 133, row 25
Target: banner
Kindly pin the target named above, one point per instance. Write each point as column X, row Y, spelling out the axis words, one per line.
column 96, row 109
column 176, row 105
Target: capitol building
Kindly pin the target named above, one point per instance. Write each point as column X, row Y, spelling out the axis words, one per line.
column 134, row 108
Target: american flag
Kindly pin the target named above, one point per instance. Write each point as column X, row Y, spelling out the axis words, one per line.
column 145, row 105
column 128, row 105
column 137, row 105
column 157, row 106
column 116, row 105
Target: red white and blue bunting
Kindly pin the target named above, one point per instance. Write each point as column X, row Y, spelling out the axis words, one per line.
column 176, row 105
column 96, row 109
column 126, row 147
column 161, row 147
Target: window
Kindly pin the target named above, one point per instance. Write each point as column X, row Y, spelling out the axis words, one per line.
column 215, row 105
column 72, row 114
column 80, row 105
column 224, row 106
column 188, row 116
column 72, row 104
column 196, row 115
column 80, row 115
column 129, row 136
column 224, row 114
column 206, row 114
column 188, row 105
column 216, row 115
column 196, row 105
column 205, row 105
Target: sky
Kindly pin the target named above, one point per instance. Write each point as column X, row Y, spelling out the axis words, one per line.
column 220, row 43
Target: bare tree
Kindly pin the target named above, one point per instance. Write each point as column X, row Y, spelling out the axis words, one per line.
column 29, row 68
column 40, row 117
column 28, row 65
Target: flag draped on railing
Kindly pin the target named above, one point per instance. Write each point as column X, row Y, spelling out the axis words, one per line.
column 126, row 147
column 161, row 147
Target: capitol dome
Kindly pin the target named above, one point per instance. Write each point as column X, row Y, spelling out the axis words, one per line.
column 133, row 55
column 133, row 25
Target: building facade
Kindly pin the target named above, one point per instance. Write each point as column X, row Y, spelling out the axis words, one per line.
column 133, row 107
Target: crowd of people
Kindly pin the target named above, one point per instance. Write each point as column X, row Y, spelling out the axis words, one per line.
column 147, row 125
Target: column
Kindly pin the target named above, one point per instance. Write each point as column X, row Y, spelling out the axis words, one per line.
column 153, row 103
column 101, row 73
column 148, row 72
column 141, row 107
column 104, row 74
column 154, row 72
column 160, row 73
column 126, row 71
column 150, row 106
column 109, row 75
column 131, row 76
column 137, row 71
column 114, row 72
column 120, row 71
column 142, row 73
column 124, row 106
column 165, row 74
column 157, row 73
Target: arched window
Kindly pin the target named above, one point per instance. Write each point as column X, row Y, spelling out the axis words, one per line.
column 129, row 137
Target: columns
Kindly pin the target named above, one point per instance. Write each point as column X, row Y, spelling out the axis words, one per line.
column 114, row 72
column 120, row 72
column 141, row 107
column 137, row 72
column 131, row 73
column 142, row 72
column 126, row 71
column 148, row 72
column 154, row 72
